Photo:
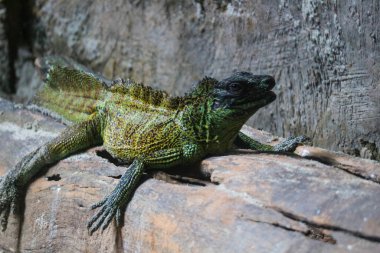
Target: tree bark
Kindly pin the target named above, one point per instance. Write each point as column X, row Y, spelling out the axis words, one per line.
column 252, row 201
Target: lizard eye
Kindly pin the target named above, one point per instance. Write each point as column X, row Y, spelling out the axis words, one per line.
column 234, row 87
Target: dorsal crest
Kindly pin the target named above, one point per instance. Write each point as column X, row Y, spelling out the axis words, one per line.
column 155, row 97
column 147, row 94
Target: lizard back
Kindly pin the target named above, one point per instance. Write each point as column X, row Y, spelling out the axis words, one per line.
column 71, row 90
column 75, row 92
column 136, row 119
column 139, row 120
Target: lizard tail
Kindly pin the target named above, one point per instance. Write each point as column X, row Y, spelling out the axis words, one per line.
column 70, row 89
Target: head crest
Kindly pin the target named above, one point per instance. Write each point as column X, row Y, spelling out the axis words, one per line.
column 203, row 87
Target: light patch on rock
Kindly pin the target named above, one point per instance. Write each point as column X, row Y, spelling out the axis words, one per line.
column 22, row 134
column 80, row 157
column 242, row 195
column 41, row 222
column 53, row 218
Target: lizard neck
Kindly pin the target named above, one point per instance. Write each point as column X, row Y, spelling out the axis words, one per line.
column 215, row 131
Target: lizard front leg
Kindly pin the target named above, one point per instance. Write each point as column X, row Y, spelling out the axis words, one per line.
column 72, row 139
column 289, row 145
column 112, row 205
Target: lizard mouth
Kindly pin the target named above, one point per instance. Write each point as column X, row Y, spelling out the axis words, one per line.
column 249, row 103
column 270, row 96
column 259, row 101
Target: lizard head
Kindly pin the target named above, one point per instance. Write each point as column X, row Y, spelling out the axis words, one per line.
column 243, row 92
column 216, row 110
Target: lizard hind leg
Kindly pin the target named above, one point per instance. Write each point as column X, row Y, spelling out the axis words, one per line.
column 13, row 184
column 113, row 205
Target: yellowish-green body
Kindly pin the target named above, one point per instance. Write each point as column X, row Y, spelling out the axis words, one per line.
column 137, row 125
column 141, row 131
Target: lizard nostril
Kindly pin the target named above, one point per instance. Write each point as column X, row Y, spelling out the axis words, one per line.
column 269, row 82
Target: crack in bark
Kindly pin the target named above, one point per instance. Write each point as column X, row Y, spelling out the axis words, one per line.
column 346, row 168
column 319, row 226
column 179, row 179
column 330, row 161
column 357, row 173
column 160, row 175
column 105, row 155
column 312, row 232
column 115, row 177
column 18, row 26
column 2, row 249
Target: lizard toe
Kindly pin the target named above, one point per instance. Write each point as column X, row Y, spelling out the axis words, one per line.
column 99, row 204
column 4, row 218
column 95, row 217
column 118, row 218
column 108, row 219
column 291, row 143
column 99, row 221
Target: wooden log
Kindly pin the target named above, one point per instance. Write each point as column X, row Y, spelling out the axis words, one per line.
column 252, row 202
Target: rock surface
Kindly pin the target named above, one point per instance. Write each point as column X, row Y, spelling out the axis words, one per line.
column 252, row 202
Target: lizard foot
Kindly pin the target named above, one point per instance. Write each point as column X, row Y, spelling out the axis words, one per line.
column 109, row 208
column 114, row 203
column 9, row 198
column 290, row 144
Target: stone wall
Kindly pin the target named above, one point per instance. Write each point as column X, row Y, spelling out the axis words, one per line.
column 323, row 54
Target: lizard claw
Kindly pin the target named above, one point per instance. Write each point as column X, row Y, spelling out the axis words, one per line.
column 100, row 203
column 291, row 143
column 109, row 208
column 9, row 197
column 113, row 205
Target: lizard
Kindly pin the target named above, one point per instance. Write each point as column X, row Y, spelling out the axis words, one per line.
column 137, row 125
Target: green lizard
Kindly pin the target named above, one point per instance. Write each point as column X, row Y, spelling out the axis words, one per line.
column 138, row 125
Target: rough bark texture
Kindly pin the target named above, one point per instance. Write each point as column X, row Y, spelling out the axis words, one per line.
column 4, row 63
column 253, row 202
column 323, row 54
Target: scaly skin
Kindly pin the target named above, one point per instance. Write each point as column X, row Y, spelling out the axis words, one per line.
column 138, row 125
